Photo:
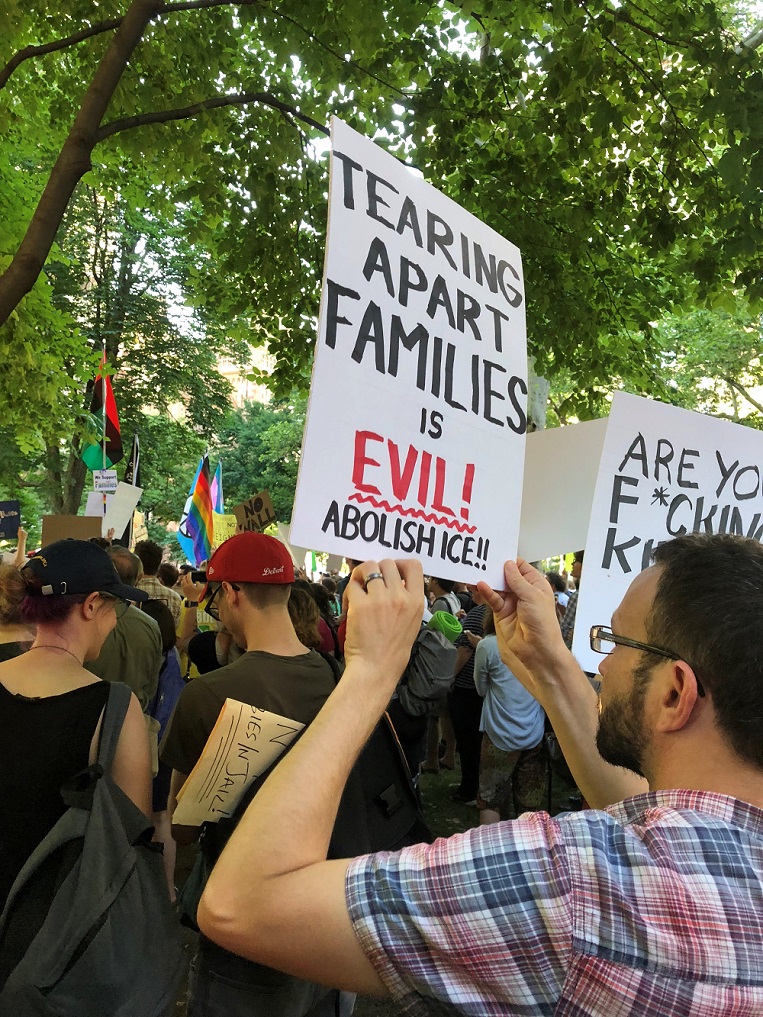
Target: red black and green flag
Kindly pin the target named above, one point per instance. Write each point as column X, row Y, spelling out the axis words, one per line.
column 104, row 421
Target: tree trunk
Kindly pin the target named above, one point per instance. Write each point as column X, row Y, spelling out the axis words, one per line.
column 54, row 479
column 76, row 475
column 74, row 159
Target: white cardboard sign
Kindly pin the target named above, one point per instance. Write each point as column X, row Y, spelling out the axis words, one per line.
column 561, row 467
column 664, row 471
column 415, row 436
column 121, row 507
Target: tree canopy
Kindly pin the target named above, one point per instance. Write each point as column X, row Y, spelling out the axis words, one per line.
column 619, row 146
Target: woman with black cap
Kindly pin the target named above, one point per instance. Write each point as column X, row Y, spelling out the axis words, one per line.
column 51, row 707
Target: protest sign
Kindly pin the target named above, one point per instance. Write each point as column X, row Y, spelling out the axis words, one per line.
column 10, row 518
column 223, row 526
column 664, row 472
column 414, row 441
column 96, row 506
column 120, row 508
column 255, row 514
column 561, row 467
column 139, row 528
column 244, row 742
column 105, row 480
column 63, row 527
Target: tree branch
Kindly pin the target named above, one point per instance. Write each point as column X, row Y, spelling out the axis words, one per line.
column 620, row 14
column 74, row 159
column 338, row 56
column 743, row 391
column 29, row 52
column 658, row 90
column 50, row 47
column 217, row 102
column 753, row 41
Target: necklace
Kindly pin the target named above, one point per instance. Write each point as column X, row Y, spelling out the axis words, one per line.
column 50, row 646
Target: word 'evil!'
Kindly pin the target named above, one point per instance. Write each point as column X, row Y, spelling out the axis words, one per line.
column 428, row 468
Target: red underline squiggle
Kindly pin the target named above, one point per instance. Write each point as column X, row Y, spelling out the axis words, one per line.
column 452, row 524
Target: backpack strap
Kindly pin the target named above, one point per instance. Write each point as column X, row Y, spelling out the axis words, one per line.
column 333, row 663
column 111, row 727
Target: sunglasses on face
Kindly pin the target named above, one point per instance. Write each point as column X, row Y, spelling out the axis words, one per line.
column 120, row 605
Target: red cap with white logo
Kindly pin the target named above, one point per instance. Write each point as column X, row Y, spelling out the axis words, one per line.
column 251, row 558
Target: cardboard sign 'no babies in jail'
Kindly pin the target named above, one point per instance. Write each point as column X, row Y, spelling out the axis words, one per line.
column 414, row 444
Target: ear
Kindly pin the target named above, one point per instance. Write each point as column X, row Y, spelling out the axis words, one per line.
column 230, row 593
column 89, row 605
column 678, row 697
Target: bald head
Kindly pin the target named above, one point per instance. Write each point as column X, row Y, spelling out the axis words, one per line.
column 127, row 564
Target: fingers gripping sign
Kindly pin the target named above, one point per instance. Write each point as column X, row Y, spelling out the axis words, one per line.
column 529, row 638
column 385, row 605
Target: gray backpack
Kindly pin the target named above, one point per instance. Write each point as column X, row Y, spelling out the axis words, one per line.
column 88, row 929
column 429, row 675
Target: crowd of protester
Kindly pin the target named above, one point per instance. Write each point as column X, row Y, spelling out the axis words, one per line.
column 77, row 615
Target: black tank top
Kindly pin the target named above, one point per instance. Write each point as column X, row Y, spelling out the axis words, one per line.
column 43, row 742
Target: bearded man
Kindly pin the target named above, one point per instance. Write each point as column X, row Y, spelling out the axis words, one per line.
column 652, row 903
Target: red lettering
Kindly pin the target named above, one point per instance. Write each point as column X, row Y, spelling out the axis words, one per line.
column 415, row 474
column 439, row 488
column 466, row 493
column 362, row 460
column 426, row 465
column 401, row 480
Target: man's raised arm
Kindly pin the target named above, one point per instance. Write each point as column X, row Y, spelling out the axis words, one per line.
column 272, row 896
column 531, row 646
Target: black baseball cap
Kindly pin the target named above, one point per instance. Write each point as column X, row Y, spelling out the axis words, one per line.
column 79, row 566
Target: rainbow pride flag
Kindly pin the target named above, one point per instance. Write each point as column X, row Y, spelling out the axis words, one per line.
column 195, row 533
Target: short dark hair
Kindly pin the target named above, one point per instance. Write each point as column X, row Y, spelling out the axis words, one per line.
column 262, row 595
column 714, row 621
column 167, row 573
column 556, row 582
column 445, row 584
column 150, row 553
column 127, row 564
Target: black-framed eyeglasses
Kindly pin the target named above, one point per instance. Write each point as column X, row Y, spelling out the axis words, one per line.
column 209, row 605
column 120, row 605
column 604, row 640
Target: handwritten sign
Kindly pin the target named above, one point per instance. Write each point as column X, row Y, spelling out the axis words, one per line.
column 244, row 742
column 10, row 516
column 422, row 330
column 224, row 526
column 664, row 472
column 105, row 480
column 255, row 514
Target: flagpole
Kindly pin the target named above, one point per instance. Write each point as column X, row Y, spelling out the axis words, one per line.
column 103, row 442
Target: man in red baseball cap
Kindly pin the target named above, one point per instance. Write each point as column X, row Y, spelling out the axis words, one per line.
column 249, row 581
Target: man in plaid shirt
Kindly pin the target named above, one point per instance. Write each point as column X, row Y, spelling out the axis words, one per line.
column 653, row 905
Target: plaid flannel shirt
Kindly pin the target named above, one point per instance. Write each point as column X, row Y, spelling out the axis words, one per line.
column 652, row 907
